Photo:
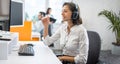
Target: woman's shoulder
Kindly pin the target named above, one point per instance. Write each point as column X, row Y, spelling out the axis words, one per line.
column 81, row 27
column 63, row 24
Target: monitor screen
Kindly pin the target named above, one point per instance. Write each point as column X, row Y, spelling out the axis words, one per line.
column 16, row 13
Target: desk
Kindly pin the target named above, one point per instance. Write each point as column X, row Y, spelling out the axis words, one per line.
column 43, row 55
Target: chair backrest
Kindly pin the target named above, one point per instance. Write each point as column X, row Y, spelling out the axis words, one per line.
column 94, row 47
column 1, row 28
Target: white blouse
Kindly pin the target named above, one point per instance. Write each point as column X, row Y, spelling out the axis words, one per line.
column 75, row 43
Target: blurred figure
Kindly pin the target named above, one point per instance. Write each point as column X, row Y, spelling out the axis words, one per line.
column 38, row 25
column 48, row 12
column 52, row 20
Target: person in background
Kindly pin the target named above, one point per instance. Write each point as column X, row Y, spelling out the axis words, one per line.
column 73, row 36
column 52, row 20
column 38, row 25
column 48, row 13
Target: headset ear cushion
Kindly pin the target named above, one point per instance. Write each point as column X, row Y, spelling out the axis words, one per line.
column 74, row 15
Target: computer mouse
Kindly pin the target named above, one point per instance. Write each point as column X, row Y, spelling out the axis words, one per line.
column 30, row 44
column 0, row 36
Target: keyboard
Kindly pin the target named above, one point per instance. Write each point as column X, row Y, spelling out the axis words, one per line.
column 5, row 39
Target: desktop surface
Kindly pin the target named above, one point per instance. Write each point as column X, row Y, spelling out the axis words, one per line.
column 43, row 55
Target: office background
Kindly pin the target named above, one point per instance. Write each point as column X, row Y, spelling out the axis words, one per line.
column 89, row 12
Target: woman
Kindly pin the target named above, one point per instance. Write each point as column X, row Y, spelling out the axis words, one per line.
column 52, row 20
column 48, row 12
column 73, row 36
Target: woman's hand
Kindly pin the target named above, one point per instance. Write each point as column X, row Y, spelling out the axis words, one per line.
column 60, row 58
column 66, row 58
column 46, row 21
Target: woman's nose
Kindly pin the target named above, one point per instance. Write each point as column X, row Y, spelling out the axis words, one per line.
column 62, row 13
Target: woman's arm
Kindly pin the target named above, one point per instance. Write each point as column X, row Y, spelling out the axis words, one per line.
column 66, row 58
column 49, row 40
column 45, row 22
column 81, row 58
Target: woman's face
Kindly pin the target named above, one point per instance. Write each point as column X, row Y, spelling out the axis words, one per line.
column 66, row 13
column 50, row 11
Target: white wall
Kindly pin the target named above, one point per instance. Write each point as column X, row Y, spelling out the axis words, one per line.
column 89, row 13
column 33, row 7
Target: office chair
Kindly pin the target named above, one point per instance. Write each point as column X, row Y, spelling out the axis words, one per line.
column 94, row 47
column 0, row 27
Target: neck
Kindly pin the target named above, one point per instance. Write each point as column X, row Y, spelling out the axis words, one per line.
column 70, row 24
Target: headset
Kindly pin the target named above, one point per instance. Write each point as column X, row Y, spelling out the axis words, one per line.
column 75, row 12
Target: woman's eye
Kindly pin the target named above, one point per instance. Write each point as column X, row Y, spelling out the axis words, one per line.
column 65, row 11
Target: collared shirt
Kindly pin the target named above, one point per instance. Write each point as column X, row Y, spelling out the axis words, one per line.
column 38, row 26
column 75, row 43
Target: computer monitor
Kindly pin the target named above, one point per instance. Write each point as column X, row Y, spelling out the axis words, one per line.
column 4, row 15
column 16, row 15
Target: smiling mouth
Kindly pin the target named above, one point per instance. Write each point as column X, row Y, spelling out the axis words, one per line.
column 63, row 17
